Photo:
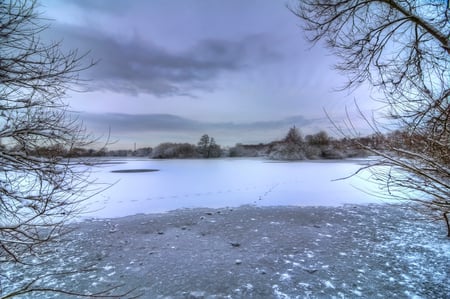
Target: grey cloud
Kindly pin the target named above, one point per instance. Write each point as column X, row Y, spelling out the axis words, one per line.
column 137, row 66
column 109, row 6
column 139, row 123
column 268, row 125
column 166, row 122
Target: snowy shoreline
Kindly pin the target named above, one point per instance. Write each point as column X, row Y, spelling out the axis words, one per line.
column 376, row 251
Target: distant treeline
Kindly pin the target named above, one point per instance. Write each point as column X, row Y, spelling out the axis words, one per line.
column 294, row 146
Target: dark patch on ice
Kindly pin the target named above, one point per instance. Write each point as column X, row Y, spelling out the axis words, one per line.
column 134, row 170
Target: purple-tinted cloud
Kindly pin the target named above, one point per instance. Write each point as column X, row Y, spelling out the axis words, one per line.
column 138, row 66
column 166, row 122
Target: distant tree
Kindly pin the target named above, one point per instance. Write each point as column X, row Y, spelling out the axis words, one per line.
column 186, row 150
column 319, row 139
column 241, row 150
column 214, row 150
column 237, row 150
column 320, row 147
column 163, row 151
column 143, row 152
column 77, row 152
column 402, row 48
column 203, row 146
column 287, row 151
column 207, row 147
column 170, row 150
column 291, row 147
column 293, row 136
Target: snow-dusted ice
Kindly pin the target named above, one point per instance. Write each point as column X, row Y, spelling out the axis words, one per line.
column 357, row 251
column 224, row 183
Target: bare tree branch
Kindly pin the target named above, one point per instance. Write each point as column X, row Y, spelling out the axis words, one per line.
column 40, row 189
column 403, row 49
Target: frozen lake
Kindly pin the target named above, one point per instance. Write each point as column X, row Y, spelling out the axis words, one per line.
column 217, row 183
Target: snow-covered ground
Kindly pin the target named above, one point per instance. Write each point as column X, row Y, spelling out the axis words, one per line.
column 225, row 183
column 352, row 251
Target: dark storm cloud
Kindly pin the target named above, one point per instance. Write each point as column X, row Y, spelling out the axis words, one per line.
column 166, row 122
column 137, row 66
column 141, row 122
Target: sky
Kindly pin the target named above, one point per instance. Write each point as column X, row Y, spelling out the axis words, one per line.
column 171, row 71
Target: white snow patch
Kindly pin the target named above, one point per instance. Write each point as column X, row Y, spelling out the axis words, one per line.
column 303, row 285
column 108, row 267
column 278, row 294
column 249, row 287
column 405, row 277
column 328, row 284
column 285, row 277
column 325, row 235
column 412, row 295
column 357, row 293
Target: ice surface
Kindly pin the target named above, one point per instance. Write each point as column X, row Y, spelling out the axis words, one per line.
column 216, row 183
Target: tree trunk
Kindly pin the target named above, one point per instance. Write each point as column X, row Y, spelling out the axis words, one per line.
column 448, row 223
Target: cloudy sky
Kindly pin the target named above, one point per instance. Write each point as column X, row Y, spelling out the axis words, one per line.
column 240, row 71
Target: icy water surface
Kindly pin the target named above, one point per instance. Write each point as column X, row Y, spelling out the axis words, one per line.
column 329, row 251
column 219, row 183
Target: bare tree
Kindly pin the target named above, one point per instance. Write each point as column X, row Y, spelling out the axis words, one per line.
column 203, row 146
column 208, row 148
column 402, row 48
column 36, row 191
column 39, row 192
column 214, row 150
column 293, row 136
column 292, row 147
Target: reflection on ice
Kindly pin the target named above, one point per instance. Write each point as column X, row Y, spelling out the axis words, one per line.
column 225, row 183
